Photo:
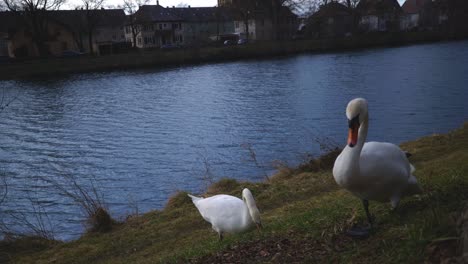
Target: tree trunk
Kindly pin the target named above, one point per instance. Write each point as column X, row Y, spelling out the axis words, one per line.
column 90, row 41
column 247, row 33
column 134, row 35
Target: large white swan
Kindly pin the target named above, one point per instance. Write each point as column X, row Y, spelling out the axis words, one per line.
column 376, row 171
column 229, row 214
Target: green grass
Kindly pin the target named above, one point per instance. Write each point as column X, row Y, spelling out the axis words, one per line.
column 304, row 214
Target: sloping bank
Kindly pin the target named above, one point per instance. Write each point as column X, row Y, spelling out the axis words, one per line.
column 304, row 214
column 157, row 58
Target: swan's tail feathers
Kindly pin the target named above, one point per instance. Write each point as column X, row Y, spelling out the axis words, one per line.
column 194, row 198
column 412, row 170
column 413, row 186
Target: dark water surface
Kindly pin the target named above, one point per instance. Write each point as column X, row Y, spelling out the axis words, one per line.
column 142, row 135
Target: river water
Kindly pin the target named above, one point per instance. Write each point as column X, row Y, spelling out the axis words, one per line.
column 139, row 136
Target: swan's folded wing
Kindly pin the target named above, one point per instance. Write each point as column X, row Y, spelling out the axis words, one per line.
column 220, row 207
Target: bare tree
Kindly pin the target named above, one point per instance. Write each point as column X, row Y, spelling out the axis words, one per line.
column 87, row 196
column 246, row 11
column 35, row 222
column 92, row 19
column 275, row 9
column 35, row 17
column 131, row 7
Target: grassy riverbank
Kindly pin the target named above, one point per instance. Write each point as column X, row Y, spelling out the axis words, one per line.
column 304, row 214
column 156, row 58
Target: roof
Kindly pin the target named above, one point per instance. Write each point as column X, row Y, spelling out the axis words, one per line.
column 369, row 7
column 414, row 6
column 156, row 13
column 203, row 13
column 73, row 19
column 332, row 9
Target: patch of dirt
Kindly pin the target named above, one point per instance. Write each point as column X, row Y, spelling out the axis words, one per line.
column 443, row 251
column 293, row 248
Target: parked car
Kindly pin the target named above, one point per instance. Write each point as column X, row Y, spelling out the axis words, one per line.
column 229, row 42
column 242, row 41
column 71, row 53
column 169, row 46
column 5, row 59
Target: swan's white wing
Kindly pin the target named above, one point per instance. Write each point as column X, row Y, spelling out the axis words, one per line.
column 385, row 170
column 224, row 212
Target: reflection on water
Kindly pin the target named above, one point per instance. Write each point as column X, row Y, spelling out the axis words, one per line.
column 142, row 135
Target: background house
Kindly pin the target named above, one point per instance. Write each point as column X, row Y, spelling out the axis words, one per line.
column 451, row 16
column 260, row 26
column 379, row 15
column 106, row 27
column 417, row 14
column 262, row 20
column 7, row 28
column 67, row 30
column 17, row 36
column 187, row 26
column 331, row 20
column 203, row 25
column 156, row 26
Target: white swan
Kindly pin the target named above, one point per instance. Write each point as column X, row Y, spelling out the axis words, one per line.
column 227, row 213
column 376, row 171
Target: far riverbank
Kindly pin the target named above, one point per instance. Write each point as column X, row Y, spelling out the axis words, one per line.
column 156, row 58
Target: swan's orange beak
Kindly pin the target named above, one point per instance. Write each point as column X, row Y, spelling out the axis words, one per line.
column 353, row 131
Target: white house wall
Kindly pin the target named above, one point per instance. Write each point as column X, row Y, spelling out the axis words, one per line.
column 202, row 32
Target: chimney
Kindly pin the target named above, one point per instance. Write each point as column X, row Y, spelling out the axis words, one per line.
column 188, row 6
column 157, row 2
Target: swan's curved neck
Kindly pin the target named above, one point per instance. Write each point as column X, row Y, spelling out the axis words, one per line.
column 252, row 210
column 353, row 154
column 362, row 134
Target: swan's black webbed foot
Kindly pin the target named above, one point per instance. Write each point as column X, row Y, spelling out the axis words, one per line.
column 362, row 231
column 359, row 231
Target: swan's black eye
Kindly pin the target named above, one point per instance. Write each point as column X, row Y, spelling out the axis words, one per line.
column 354, row 122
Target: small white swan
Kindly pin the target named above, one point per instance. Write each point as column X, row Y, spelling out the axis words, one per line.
column 376, row 171
column 228, row 214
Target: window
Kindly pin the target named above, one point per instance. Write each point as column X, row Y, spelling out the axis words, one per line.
column 139, row 40
column 180, row 38
column 160, row 26
column 164, row 25
column 180, row 25
column 237, row 24
column 152, row 27
column 146, row 40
